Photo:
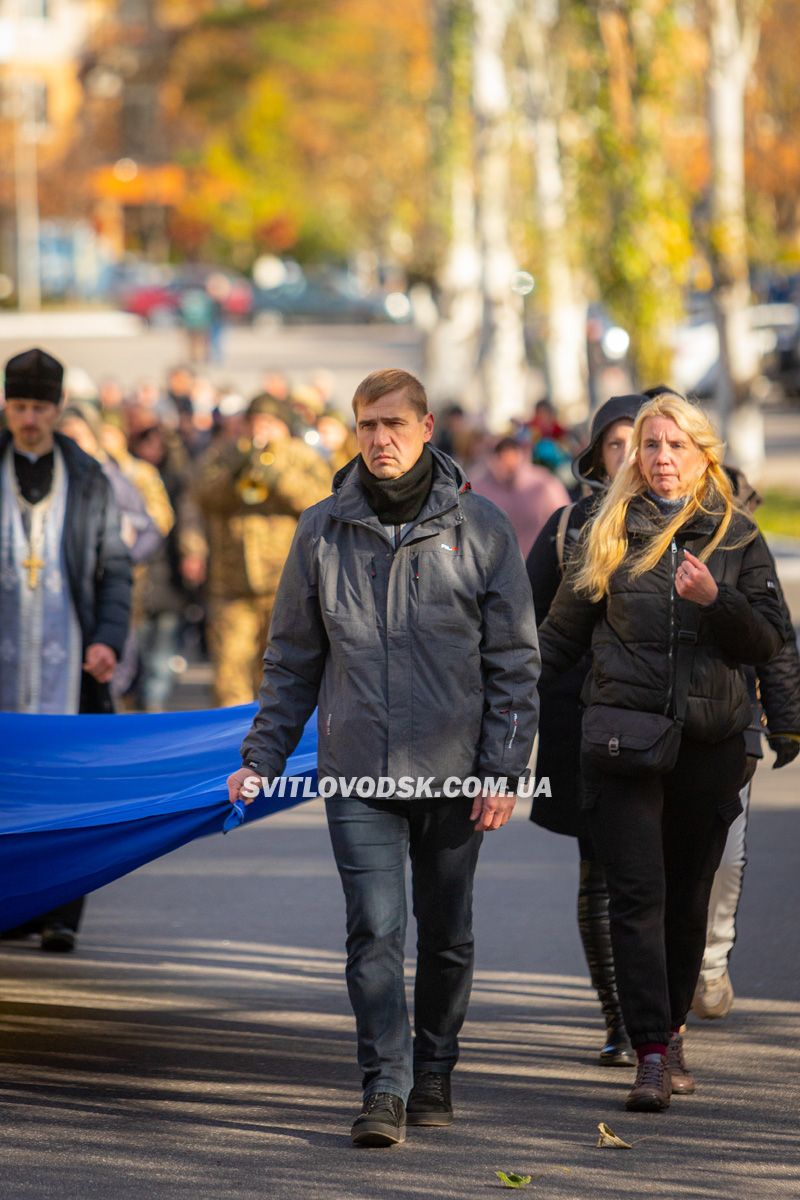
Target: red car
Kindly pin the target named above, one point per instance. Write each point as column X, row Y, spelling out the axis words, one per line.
column 158, row 300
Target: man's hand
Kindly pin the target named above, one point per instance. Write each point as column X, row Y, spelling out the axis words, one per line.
column 236, row 782
column 99, row 662
column 490, row 811
column 694, row 581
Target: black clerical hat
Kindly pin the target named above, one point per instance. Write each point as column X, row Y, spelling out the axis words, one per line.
column 34, row 375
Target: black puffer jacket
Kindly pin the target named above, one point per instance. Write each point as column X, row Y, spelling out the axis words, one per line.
column 633, row 630
column 558, row 757
column 98, row 563
column 779, row 683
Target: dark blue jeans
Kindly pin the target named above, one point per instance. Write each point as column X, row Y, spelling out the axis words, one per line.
column 372, row 840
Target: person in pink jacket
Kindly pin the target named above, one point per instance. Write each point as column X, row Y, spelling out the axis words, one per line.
column 526, row 494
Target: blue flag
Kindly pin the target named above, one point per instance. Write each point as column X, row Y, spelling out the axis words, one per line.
column 86, row 799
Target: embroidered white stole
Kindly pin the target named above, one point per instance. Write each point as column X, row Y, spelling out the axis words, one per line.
column 40, row 636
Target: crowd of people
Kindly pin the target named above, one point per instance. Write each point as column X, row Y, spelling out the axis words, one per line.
column 210, row 484
column 378, row 575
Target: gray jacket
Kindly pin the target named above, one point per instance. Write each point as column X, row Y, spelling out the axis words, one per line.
column 423, row 660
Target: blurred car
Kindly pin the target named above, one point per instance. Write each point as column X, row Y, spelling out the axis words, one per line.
column 156, row 294
column 155, row 303
column 781, row 360
column 142, row 288
column 234, row 289
column 327, row 297
column 775, row 329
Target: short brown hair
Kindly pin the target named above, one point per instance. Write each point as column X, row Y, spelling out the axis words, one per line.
column 391, row 379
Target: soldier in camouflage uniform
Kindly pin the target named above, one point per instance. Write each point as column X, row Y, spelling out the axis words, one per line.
column 251, row 493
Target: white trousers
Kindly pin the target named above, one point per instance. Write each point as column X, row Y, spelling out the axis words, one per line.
column 725, row 893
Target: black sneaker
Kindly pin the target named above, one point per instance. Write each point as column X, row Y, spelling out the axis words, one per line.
column 58, row 939
column 382, row 1121
column 430, row 1102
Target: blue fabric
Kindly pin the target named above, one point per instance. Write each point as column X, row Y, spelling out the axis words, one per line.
column 86, row 799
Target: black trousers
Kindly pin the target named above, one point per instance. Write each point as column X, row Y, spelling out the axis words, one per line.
column 660, row 840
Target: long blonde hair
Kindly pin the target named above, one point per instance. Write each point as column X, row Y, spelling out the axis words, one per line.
column 606, row 543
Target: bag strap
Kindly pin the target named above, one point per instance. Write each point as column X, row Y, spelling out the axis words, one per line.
column 687, row 641
column 561, row 534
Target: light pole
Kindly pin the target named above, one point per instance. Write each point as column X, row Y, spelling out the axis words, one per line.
column 26, row 192
column 20, row 106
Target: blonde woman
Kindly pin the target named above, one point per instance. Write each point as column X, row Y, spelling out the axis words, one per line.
column 670, row 572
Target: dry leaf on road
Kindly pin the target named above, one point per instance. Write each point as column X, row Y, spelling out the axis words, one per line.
column 609, row 1138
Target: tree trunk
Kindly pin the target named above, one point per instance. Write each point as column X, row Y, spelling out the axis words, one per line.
column 501, row 360
column 565, row 333
column 732, row 46
column 454, row 328
column 452, row 344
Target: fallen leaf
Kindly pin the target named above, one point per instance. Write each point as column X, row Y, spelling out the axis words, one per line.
column 609, row 1138
column 512, row 1180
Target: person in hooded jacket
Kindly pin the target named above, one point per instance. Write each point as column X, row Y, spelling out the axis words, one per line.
column 668, row 562
column 404, row 614
column 558, row 758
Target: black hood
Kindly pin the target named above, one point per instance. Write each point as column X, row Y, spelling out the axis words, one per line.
column 618, row 408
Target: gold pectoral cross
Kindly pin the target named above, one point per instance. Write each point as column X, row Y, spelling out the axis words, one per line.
column 33, row 566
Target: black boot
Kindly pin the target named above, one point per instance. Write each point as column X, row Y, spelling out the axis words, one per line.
column 596, row 937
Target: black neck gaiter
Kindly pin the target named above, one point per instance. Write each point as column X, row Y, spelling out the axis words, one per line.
column 397, row 501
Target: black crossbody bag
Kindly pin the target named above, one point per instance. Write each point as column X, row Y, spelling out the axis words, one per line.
column 623, row 741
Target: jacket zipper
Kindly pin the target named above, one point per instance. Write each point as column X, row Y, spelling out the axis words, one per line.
column 671, row 651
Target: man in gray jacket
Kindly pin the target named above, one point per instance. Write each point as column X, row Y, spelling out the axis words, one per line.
column 404, row 614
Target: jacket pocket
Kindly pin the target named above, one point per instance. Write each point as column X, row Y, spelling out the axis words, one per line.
column 447, row 597
column 347, row 598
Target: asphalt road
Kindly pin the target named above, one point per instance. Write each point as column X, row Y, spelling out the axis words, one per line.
column 200, row 1042
column 104, row 348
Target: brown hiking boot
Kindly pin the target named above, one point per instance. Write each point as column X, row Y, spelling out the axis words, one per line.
column 682, row 1079
column 652, row 1088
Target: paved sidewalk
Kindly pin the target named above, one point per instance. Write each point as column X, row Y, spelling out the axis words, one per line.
column 200, row 1043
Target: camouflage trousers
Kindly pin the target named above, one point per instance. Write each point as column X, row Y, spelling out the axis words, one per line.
column 237, row 638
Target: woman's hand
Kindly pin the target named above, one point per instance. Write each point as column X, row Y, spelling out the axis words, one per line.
column 694, row 581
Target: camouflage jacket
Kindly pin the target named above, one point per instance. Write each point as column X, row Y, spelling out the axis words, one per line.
column 251, row 501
